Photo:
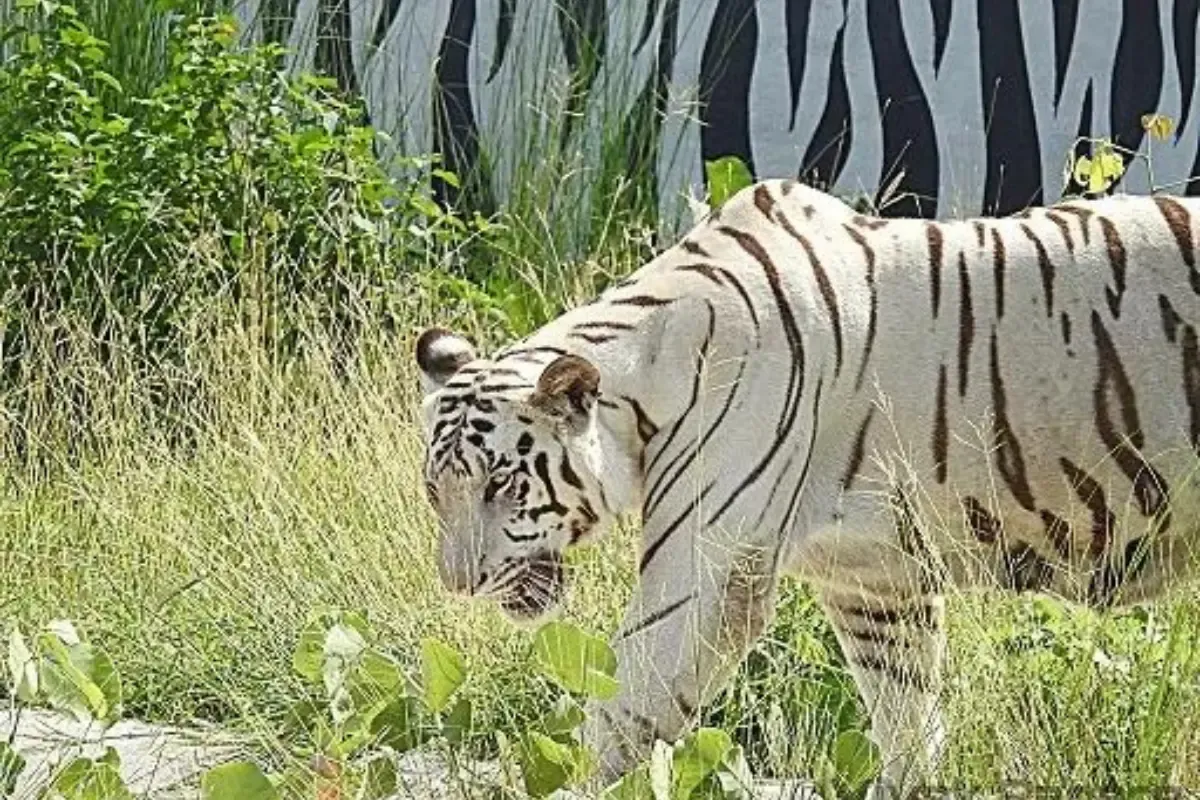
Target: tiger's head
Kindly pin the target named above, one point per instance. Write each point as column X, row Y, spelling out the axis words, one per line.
column 511, row 469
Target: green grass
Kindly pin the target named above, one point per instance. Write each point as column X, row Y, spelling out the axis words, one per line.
column 196, row 568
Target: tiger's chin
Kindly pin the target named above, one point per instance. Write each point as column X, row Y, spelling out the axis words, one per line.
column 537, row 596
column 528, row 616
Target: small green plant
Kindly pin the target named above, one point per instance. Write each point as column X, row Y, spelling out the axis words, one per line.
column 1106, row 164
column 584, row 666
column 366, row 701
column 65, row 671
column 239, row 779
column 90, row 779
column 726, row 177
column 369, row 707
column 705, row 765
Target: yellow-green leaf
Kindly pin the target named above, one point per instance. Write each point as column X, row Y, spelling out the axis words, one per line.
column 576, row 660
column 442, row 672
column 240, row 780
column 1158, row 126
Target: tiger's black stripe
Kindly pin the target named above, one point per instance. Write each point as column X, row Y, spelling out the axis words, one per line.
column 1170, row 318
column 1064, row 228
column 794, row 504
column 1058, row 532
column 1114, row 572
column 541, row 467
column 1024, row 569
column 646, row 428
column 661, row 487
column 966, row 324
column 718, row 275
column 1084, row 215
column 642, row 301
column 1149, row 487
column 823, row 285
column 998, row 261
column 936, row 242
column 656, row 617
column 857, row 452
column 980, row 233
column 650, row 551
column 1191, row 383
column 1009, row 460
column 1180, row 224
column 763, row 201
column 905, row 674
column 606, row 325
column 795, row 387
column 707, row 270
column 922, row 615
column 568, row 473
column 592, row 338
column 871, row 635
column 1045, row 266
column 941, row 431
column 1091, row 495
column 654, row 546
column 691, row 404
column 984, row 525
column 530, row 353
column 1117, row 260
column 873, row 308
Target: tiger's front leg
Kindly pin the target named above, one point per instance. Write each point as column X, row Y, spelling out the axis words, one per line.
column 684, row 633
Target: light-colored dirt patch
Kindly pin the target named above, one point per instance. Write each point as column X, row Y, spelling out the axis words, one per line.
column 165, row 763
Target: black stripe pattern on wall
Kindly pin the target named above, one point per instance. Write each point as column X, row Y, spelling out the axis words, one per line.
column 953, row 106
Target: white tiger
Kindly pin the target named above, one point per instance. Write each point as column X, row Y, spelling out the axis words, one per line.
column 884, row 407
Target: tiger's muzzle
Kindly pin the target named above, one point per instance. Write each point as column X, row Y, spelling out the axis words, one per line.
column 534, row 588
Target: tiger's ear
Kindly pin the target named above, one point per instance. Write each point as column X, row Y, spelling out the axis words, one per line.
column 440, row 354
column 567, row 391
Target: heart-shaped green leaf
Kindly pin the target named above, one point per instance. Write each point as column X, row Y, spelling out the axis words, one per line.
column 456, row 725
column 240, row 780
column 76, row 676
column 564, row 717
column 547, row 765
column 856, row 758
column 577, row 661
column 442, row 672
column 696, row 757
column 87, row 779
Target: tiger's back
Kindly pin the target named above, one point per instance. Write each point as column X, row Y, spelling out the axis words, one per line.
column 1027, row 387
column 1032, row 389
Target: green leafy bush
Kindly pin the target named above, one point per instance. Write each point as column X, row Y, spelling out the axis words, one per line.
column 129, row 221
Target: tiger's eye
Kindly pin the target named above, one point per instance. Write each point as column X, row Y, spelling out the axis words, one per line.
column 494, row 486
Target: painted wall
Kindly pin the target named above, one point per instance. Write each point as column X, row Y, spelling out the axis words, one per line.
column 961, row 105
